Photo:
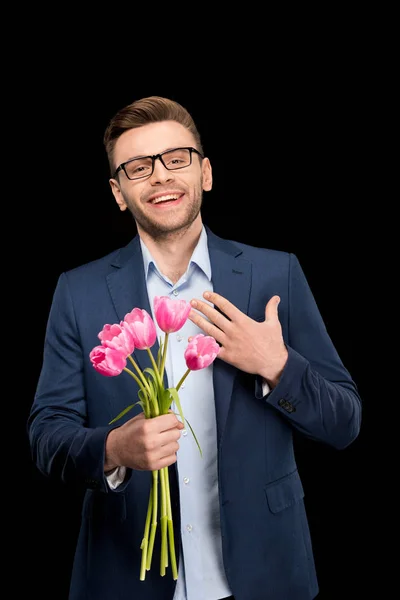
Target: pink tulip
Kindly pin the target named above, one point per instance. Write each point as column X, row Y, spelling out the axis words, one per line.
column 141, row 327
column 108, row 361
column 170, row 314
column 117, row 337
column 201, row 352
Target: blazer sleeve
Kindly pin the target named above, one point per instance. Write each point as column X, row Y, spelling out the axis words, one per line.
column 62, row 444
column 316, row 392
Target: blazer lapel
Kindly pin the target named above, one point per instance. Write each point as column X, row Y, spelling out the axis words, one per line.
column 231, row 277
column 127, row 286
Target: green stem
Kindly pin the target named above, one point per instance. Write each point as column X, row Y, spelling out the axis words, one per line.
column 138, row 381
column 154, row 519
column 164, row 356
column 182, row 379
column 146, row 409
column 170, row 527
column 145, row 542
column 159, row 354
column 155, row 405
column 163, row 523
column 141, row 375
column 155, row 367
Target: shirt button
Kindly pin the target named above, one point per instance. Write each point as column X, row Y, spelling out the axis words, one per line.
column 175, row 292
column 184, row 432
column 183, row 385
column 186, row 480
column 189, row 527
column 179, row 338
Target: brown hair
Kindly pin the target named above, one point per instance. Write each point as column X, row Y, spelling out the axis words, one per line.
column 141, row 112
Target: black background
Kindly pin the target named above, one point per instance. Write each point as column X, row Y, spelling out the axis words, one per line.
column 305, row 127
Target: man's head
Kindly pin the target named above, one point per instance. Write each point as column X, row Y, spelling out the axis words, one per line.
column 158, row 170
column 142, row 112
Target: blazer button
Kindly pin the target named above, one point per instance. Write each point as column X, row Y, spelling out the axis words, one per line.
column 286, row 405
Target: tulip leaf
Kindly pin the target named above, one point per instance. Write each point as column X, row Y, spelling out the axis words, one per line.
column 152, row 373
column 194, row 435
column 166, row 399
column 191, row 429
column 175, row 397
column 177, row 401
column 121, row 414
column 144, row 402
column 155, row 377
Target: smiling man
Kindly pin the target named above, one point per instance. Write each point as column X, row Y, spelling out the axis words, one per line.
column 160, row 178
column 240, row 522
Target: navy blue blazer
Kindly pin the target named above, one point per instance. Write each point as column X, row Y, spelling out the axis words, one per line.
column 266, row 542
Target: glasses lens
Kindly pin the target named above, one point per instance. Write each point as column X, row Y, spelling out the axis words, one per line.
column 173, row 159
column 176, row 159
column 140, row 167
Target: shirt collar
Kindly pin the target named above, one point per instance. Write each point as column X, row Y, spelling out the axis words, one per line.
column 200, row 256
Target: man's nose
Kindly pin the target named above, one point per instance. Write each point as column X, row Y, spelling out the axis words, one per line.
column 160, row 173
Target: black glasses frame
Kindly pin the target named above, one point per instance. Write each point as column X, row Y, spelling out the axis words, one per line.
column 153, row 159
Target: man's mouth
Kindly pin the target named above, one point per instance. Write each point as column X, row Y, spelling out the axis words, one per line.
column 165, row 198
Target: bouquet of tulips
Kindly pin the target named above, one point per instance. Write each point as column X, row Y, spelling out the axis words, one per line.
column 118, row 341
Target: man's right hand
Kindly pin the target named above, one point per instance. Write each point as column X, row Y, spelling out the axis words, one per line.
column 144, row 444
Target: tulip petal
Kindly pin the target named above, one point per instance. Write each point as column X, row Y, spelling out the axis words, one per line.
column 201, row 351
column 141, row 327
column 171, row 315
column 108, row 361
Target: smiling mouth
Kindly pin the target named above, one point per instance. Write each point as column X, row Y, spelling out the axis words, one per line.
column 166, row 198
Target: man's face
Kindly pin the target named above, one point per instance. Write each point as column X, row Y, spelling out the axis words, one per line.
column 166, row 201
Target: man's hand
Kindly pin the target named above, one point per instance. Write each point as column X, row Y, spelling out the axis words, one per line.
column 246, row 344
column 144, row 444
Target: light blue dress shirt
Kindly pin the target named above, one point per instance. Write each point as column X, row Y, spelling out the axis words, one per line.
column 201, row 573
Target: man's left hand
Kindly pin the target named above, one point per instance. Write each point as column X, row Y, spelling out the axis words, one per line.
column 251, row 346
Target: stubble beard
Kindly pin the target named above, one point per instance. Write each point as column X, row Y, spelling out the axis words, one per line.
column 171, row 227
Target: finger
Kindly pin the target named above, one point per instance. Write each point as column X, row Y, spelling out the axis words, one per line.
column 168, row 437
column 223, row 305
column 213, row 315
column 271, row 310
column 179, row 423
column 170, row 447
column 167, row 422
column 164, row 462
column 206, row 325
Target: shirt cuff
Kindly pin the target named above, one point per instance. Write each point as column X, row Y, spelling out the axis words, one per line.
column 265, row 388
column 116, row 477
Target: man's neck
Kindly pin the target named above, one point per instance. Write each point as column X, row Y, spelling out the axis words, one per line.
column 173, row 252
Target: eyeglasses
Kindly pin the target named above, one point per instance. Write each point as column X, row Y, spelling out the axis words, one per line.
column 138, row 168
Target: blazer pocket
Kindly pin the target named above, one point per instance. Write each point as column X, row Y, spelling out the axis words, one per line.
column 105, row 507
column 285, row 492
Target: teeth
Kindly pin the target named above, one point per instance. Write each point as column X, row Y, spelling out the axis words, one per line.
column 164, row 198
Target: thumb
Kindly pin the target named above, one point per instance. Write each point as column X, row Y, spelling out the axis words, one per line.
column 271, row 310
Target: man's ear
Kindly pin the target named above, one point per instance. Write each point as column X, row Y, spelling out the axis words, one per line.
column 207, row 175
column 116, row 190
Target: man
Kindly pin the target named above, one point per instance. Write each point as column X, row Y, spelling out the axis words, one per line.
column 240, row 521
